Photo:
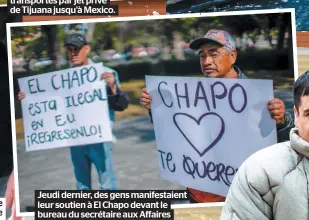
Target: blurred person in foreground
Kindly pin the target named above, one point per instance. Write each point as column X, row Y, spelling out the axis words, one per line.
column 273, row 183
column 10, row 197
column 218, row 55
column 99, row 154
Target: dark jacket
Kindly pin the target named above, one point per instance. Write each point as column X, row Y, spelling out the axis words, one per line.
column 119, row 101
column 283, row 130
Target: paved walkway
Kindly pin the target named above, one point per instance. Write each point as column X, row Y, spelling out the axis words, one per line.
column 135, row 161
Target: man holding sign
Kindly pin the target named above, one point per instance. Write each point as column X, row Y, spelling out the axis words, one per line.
column 218, row 55
column 10, row 197
column 99, row 154
column 273, row 182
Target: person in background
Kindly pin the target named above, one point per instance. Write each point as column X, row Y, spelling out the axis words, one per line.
column 218, row 55
column 99, row 154
column 6, row 151
column 10, row 197
column 273, row 183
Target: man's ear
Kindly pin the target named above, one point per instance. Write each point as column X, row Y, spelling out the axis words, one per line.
column 296, row 116
column 233, row 57
column 87, row 49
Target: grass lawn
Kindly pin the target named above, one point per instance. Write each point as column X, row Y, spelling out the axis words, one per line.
column 134, row 87
column 303, row 63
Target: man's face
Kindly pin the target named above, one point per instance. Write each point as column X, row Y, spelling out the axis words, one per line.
column 78, row 56
column 302, row 118
column 215, row 60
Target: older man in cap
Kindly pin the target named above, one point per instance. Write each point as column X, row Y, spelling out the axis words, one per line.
column 218, row 55
column 99, row 154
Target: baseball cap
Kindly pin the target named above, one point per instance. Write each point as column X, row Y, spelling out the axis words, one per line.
column 218, row 36
column 77, row 40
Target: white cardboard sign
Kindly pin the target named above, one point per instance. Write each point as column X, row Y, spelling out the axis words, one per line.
column 65, row 108
column 206, row 127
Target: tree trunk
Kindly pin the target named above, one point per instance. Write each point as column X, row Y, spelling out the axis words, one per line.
column 282, row 29
column 90, row 32
column 53, row 47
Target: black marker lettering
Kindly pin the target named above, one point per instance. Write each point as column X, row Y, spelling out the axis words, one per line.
column 198, row 121
column 186, row 95
column 220, row 171
column 88, row 97
column 93, row 130
column 67, row 80
column 30, row 86
column 162, row 159
column 67, row 99
column 72, row 119
column 80, row 98
column 188, row 166
column 75, row 78
column 214, row 96
column 33, row 138
column 74, row 133
column 83, row 72
column 85, row 98
column 48, row 138
column 38, row 86
column 54, row 135
column 230, row 172
column 100, row 131
column 36, row 124
column 159, row 90
column 231, row 98
column 28, row 141
column 214, row 172
column 211, row 167
column 60, row 135
column 41, row 137
column 80, row 132
column 204, row 169
column 199, row 88
column 95, row 74
column 58, row 120
column 44, row 106
column 53, row 83
column 169, row 158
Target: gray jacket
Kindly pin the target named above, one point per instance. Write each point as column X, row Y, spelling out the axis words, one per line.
column 272, row 184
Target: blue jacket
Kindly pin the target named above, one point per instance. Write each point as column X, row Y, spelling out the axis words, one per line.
column 118, row 102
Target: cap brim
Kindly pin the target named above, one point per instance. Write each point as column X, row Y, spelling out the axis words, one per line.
column 195, row 44
column 73, row 44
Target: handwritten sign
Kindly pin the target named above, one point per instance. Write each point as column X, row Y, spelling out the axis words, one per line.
column 206, row 127
column 2, row 209
column 65, row 108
